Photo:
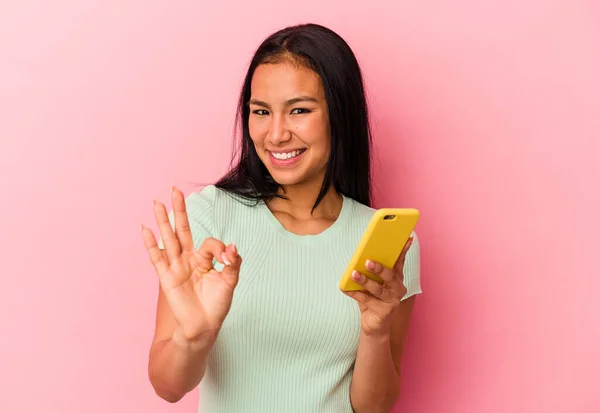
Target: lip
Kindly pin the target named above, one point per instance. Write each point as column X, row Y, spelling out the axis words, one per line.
column 285, row 163
column 285, row 150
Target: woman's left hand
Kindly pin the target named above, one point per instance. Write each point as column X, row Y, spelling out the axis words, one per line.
column 378, row 301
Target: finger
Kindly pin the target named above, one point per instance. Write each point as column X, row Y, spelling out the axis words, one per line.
column 368, row 301
column 360, row 296
column 233, row 262
column 166, row 231
column 374, row 288
column 182, row 224
column 392, row 279
column 388, row 275
column 210, row 249
column 157, row 257
column 400, row 262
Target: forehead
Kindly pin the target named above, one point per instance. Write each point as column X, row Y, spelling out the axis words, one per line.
column 281, row 81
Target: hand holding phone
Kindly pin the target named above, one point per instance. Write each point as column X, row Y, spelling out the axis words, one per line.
column 382, row 242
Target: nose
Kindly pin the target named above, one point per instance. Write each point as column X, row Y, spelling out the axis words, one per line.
column 278, row 131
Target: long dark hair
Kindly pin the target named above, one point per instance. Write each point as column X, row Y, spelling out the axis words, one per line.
column 348, row 168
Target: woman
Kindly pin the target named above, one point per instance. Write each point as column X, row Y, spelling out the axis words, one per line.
column 275, row 334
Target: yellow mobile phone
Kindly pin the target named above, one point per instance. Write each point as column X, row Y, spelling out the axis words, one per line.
column 383, row 242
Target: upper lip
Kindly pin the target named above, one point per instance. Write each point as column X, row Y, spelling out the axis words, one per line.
column 285, row 150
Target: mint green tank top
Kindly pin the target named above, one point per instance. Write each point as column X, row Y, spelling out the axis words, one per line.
column 290, row 339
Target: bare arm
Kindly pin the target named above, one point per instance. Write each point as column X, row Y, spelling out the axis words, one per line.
column 175, row 366
column 385, row 316
column 376, row 379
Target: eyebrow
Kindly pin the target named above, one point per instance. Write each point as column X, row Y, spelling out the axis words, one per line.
column 289, row 102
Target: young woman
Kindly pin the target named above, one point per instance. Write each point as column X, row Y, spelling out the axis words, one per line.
column 249, row 307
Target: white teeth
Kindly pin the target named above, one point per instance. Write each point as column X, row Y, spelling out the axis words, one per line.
column 286, row 155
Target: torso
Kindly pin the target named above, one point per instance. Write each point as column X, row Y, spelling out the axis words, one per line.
column 290, row 339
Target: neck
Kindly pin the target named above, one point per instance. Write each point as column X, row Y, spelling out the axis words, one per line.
column 301, row 199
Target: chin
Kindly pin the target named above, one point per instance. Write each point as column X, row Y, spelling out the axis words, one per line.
column 297, row 179
column 287, row 179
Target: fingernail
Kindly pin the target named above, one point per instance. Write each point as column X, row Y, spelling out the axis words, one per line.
column 234, row 248
column 173, row 188
column 153, row 203
column 355, row 276
column 141, row 227
column 370, row 265
column 224, row 258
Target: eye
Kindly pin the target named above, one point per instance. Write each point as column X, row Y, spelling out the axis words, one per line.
column 260, row 112
column 300, row 111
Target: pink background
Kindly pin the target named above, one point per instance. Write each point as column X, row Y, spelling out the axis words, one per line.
column 487, row 118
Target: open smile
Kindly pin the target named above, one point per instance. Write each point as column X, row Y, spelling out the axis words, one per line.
column 287, row 158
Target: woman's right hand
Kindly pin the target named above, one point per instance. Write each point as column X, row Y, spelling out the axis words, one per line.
column 199, row 296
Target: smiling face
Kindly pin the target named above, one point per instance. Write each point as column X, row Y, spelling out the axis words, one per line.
column 289, row 123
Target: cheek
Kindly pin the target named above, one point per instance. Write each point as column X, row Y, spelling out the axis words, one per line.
column 316, row 130
column 256, row 131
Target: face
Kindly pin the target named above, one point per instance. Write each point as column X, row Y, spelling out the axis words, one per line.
column 289, row 123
